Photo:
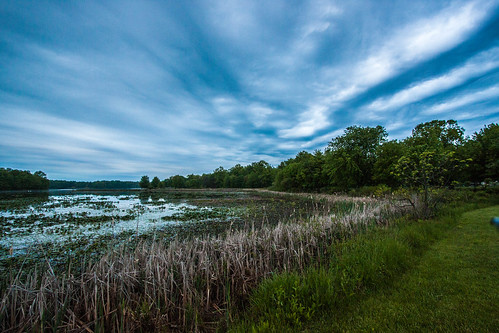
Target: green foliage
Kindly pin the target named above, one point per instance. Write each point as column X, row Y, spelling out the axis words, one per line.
column 255, row 175
column 144, row 182
column 100, row 184
column 178, row 181
column 437, row 133
column 343, row 170
column 193, row 181
column 291, row 299
column 351, row 156
column 305, row 172
column 326, row 298
column 22, row 180
column 430, row 161
column 387, row 157
column 156, row 183
column 361, row 161
column 453, row 288
column 363, row 264
column 427, row 168
column 483, row 150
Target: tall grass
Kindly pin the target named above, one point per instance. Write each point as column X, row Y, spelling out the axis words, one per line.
column 184, row 285
column 323, row 297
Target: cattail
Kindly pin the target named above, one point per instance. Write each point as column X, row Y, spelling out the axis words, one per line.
column 170, row 285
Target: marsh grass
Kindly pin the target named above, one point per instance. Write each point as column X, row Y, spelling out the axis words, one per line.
column 365, row 270
column 190, row 284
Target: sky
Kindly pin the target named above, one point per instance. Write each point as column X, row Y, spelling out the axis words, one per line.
column 94, row 90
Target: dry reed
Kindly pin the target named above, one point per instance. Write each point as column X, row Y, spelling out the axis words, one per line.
column 184, row 285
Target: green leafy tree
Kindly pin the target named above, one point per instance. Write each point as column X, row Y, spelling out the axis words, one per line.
column 305, row 172
column 178, row 181
column 235, row 177
column 11, row 179
column 40, row 180
column 483, row 150
column 144, row 182
column 430, row 161
column 287, row 177
column 351, row 156
column 166, row 182
column 387, row 157
column 424, row 172
column 193, row 181
column 155, row 182
column 344, row 170
column 219, row 177
column 435, row 134
column 258, row 175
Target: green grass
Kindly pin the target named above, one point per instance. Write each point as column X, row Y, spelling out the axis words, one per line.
column 454, row 288
column 435, row 275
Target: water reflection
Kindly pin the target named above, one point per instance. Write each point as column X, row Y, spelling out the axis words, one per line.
column 65, row 216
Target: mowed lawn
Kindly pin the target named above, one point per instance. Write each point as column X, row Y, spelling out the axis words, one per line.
column 453, row 288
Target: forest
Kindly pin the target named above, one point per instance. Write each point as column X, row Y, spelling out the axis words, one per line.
column 13, row 180
column 437, row 153
column 100, row 184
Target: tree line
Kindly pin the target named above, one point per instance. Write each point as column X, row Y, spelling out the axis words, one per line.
column 100, row 184
column 435, row 154
column 12, row 180
column 255, row 175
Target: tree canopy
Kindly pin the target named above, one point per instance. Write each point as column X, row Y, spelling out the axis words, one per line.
column 22, row 180
column 99, row 184
column 436, row 154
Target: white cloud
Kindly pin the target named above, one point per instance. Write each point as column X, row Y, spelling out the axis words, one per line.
column 314, row 119
column 321, row 141
column 320, row 17
column 161, row 87
column 259, row 114
column 476, row 66
column 473, row 68
column 421, row 40
column 409, row 46
column 225, row 105
column 416, row 42
column 69, row 137
column 477, row 113
column 235, row 111
column 466, row 99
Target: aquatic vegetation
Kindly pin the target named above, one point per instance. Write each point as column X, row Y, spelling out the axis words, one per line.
column 61, row 219
column 86, row 225
column 200, row 214
column 188, row 282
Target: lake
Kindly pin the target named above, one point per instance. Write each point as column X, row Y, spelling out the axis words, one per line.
column 60, row 226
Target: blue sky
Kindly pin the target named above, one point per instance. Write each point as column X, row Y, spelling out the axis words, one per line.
column 118, row 89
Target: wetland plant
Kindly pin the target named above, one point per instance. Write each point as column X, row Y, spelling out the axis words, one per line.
column 185, row 284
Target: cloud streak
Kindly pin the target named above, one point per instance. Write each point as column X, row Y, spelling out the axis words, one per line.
column 475, row 67
column 162, row 88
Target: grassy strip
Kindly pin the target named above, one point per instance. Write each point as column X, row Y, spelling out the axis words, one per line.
column 453, row 288
column 451, row 265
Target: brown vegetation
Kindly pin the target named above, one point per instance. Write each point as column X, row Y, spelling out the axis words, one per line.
column 185, row 285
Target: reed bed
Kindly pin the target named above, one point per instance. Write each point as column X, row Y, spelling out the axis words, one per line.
column 189, row 285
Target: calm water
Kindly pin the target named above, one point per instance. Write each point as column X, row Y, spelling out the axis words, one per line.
column 28, row 220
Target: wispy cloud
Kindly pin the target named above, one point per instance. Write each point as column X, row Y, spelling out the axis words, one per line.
column 464, row 100
column 405, row 48
column 310, row 121
column 476, row 66
column 167, row 87
column 421, row 40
